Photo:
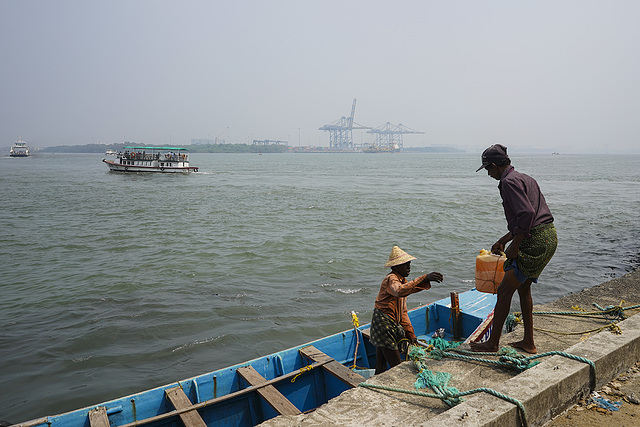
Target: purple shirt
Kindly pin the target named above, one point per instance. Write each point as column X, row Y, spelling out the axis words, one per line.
column 523, row 203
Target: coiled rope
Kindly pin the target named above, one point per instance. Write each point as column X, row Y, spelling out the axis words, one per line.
column 439, row 383
column 510, row 358
column 615, row 313
column 457, row 395
column 506, row 358
column 515, row 318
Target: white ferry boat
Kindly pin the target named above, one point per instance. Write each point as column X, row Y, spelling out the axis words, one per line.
column 19, row 149
column 151, row 159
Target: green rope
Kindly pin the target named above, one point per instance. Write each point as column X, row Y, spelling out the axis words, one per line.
column 443, row 344
column 611, row 312
column 454, row 396
column 513, row 362
column 592, row 366
column 616, row 311
column 518, row 361
column 451, row 396
column 437, row 381
column 510, row 323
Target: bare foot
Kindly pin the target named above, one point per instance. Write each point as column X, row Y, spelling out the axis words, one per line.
column 483, row 347
column 528, row 347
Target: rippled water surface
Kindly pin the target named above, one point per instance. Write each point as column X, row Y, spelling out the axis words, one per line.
column 114, row 283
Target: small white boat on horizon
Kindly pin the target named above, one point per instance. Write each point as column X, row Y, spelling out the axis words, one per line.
column 151, row 159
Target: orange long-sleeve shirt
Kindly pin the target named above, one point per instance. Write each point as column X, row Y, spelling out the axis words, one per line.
column 392, row 299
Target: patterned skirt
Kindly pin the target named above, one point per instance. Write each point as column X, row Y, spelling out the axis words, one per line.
column 536, row 251
column 385, row 332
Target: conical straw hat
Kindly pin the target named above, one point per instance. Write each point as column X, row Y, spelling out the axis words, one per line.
column 397, row 257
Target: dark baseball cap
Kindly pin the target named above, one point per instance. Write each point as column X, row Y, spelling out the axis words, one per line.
column 497, row 154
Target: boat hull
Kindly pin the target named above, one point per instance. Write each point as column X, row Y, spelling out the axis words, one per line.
column 117, row 167
column 233, row 397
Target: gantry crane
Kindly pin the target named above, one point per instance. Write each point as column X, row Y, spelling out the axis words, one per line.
column 340, row 131
column 221, row 138
column 389, row 137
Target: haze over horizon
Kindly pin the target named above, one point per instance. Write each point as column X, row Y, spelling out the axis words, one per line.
column 560, row 75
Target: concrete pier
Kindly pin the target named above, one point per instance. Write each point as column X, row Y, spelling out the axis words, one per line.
column 545, row 390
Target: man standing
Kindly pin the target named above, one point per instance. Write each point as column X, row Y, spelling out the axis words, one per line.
column 533, row 242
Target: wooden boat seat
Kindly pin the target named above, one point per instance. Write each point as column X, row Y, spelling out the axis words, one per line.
column 180, row 401
column 98, row 417
column 269, row 392
column 332, row 366
column 366, row 333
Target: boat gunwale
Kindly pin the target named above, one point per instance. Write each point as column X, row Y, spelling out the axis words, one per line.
column 443, row 304
column 176, row 412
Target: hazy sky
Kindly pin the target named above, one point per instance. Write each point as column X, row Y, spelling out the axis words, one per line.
column 561, row 75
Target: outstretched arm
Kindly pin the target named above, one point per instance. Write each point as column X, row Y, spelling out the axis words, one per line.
column 423, row 283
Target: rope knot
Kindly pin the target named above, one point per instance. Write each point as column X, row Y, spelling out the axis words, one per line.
column 354, row 319
column 617, row 312
column 302, row 371
column 615, row 329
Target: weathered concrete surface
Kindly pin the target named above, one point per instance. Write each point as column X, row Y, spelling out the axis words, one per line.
column 545, row 390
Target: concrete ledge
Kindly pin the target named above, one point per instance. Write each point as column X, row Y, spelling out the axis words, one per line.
column 549, row 388
column 545, row 390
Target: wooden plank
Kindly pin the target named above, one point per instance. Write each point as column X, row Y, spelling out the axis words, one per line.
column 335, row 368
column 366, row 333
column 200, row 405
column 98, row 417
column 268, row 393
column 180, row 401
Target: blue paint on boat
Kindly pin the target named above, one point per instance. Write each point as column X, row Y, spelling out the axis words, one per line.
column 224, row 398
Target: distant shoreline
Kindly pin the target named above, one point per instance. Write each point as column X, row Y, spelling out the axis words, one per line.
column 233, row 148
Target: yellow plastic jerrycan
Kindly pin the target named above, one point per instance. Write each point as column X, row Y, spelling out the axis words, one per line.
column 489, row 271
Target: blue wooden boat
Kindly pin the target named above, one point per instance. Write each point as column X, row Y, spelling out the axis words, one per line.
column 292, row 381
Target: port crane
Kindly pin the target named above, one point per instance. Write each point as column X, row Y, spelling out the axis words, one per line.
column 221, row 138
column 340, row 131
column 389, row 136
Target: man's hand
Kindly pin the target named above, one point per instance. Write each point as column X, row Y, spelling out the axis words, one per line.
column 435, row 277
column 497, row 248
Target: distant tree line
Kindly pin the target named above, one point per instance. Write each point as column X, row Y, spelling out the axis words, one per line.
column 204, row 148
column 87, row 148
column 216, row 148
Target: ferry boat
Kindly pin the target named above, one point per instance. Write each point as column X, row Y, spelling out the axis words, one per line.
column 19, row 149
column 292, row 381
column 151, row 159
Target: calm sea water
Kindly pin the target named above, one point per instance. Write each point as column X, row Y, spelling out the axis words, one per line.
column 114, row 283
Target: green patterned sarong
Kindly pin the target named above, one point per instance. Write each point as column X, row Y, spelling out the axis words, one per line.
column 385, row 332
column 535, row 251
